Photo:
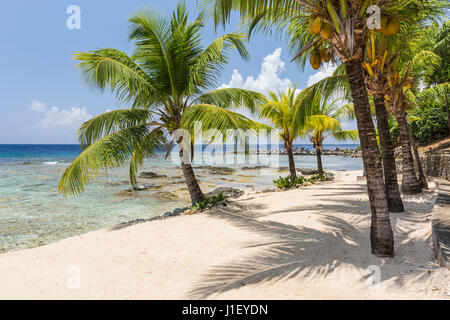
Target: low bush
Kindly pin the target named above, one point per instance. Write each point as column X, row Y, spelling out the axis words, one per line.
column 209, row 201
column 289, row 182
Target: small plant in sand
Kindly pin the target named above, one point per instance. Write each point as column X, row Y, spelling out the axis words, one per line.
column 290, row 183
column 209, row 202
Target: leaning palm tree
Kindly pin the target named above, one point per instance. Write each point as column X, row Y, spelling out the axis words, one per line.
column 282, row 111
column 325, row 121
column 165, row 82
column 324, row 30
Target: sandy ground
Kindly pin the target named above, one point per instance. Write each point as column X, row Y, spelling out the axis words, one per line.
column 310, row 243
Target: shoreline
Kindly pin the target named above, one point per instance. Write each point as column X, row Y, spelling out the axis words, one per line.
column 309, row 243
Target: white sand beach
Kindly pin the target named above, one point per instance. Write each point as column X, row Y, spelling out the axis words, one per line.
column 309, row 243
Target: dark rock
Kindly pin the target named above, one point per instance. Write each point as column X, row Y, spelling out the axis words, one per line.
column 254, row 168
column 218, row 170
column 179, row 211
column 165, row 196
column 148, row 187
column 230, row 192
column 309, row 172
column 151, row 175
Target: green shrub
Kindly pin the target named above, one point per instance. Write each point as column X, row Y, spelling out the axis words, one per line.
column 209, row 201
column 429, row 122
column 289, row 182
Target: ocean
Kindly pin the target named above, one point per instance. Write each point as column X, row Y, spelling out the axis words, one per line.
column 33, row 213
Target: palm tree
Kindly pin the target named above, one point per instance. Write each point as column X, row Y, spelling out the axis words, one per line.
column 343, row 35
column 325, row 121
column 438, row 39
column 166, row 83
column 282, row 110
column 404, row 72
column 375, row 76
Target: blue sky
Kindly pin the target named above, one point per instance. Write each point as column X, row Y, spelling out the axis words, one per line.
column 42, row 98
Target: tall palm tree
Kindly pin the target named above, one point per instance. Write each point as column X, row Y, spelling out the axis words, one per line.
column 165, row 81
column 403, row 74
column 375, row 76
column 325, row 121
column 344, row 37
column 282, row 110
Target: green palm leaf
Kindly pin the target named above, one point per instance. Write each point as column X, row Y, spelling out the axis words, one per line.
column 112, row 151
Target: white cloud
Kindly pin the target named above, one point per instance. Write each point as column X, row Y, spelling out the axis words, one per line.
column 326, row 71
column 57, row 119
column 268, row 79
column 38, row 106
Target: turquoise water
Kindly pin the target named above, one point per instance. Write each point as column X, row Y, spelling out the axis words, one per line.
column 33, row 213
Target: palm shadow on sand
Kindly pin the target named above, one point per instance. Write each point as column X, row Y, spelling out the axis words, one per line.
column 281, row 257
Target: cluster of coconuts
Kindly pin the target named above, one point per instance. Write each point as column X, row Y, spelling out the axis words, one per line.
column 389, row 26
column 317, row 25
column 318, row 56
column 326, row 31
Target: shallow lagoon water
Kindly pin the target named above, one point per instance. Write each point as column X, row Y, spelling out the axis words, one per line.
column 33, row 213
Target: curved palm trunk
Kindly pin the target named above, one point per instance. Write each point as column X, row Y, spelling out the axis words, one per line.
column 395, row 203
column 410, row 184
column 191, row 181
column 381, row 235
column 422, row 179
column 319, row 159
column 292, row 169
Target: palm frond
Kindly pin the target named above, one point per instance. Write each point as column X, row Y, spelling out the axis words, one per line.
column 121, row 74
column 109, row 122
column 346, row 135
column 233, row 98
column 216, row 119
column 112, row 151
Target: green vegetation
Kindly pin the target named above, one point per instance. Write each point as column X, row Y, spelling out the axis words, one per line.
column 209, row 201
column 429, row 120
column 289, row 182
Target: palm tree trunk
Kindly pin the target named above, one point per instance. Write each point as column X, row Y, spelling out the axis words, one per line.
column 410, row 184
column 319, row 160
column 189, row 176
column 395, row 203
column 292, row 169
column 381, row 235
column 422, row 179
column 447, row 107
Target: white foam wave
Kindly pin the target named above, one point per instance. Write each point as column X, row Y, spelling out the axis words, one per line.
column 51, row 163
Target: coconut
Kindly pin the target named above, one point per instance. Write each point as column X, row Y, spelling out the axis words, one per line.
column 325, row 55
column 315, row 60
column 393, row 26
column 327, row 31
column 384, row 22
column 315, row 25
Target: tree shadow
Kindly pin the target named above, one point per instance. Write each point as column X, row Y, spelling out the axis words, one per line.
column 301, row 252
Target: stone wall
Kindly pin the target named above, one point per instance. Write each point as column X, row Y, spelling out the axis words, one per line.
column 437, row 165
